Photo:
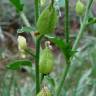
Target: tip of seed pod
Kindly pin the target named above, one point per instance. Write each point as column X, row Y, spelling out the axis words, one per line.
column 48, row 44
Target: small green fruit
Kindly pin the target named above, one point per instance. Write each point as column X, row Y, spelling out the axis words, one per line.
column 47, row 20
column 46, row 61
column 44, row 92
column 80, row 8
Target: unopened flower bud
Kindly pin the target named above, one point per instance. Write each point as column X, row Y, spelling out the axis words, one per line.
column 46, row 63
column 44, row 92
column 80, row 8
column 22, row 44
column 42, row 2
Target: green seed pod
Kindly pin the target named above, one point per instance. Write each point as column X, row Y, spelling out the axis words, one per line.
column 46, row 61
column 47, row 20
column 80, row 8
column 44, row 92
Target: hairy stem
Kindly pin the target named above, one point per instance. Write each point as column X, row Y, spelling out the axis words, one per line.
column 83, row 25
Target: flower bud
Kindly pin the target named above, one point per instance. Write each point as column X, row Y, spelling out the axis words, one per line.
column 44, row 92
column 42, row 2
column 46, row 61
column 22, row 44
column 47, row 20
column 80, row 8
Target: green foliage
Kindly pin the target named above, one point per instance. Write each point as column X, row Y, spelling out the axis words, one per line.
column 92, row 20
column 65, row 48
column 18, row 64
column 80, row 72
column 26, row 29
column 17, row 4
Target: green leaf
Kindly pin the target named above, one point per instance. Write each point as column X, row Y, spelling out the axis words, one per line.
column 17, row 4
column 26, row 29
column 64, row 47
column 91, row 21
column 58, row 42
column 15, row 65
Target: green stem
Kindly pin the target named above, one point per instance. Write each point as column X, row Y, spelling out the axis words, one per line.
column 52, row 2
column 67, row 41
column 63, row 79
column 42, row 77
column 67, row 20
column 36, row 3
column 37, row 64
column 25, row 20
column 83, row 25
column 29, row 51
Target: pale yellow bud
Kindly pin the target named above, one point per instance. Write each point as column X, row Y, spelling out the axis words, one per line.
column 22, row 44
column 42, row 2
column 44, row 92
column 22, row 54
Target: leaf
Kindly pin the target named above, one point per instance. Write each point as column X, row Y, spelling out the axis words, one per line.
column 17, row 4
column 18, row 64
column 65, row 48
column 91, row 20
column 58, row 41
column 26, row 29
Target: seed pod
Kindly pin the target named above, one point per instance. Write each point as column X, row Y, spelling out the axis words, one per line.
column 44, row 92
column 46, row 61
column 47, row 20
column 80, row 8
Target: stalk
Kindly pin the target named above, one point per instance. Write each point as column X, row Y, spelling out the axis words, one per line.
column 67, row 42
column 36, row 8
column 38, row 41
column 63, row 79
column 36, row 3
column 83, row 25
column 67, row 20
column 37, row 65
column 26, row 22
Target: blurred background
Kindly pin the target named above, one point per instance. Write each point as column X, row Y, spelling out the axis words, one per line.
column 81, row 79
